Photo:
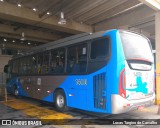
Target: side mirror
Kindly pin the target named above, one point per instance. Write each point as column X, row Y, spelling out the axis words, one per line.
column 6, row 68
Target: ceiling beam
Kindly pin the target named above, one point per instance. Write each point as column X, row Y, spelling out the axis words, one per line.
column 142, row 25
column 15, row 46
column 29, row 34
column 79, row 10
column 117, row 10
column 28, row 16
column 99, row 10
column 151, row 5
column 8, row 35
column 129, row 18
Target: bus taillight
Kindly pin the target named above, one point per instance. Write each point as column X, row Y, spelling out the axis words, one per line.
column 122, row 84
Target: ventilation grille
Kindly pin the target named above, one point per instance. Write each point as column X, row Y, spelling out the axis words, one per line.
column 99, row 91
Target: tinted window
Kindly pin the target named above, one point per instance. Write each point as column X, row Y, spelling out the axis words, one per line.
column 29, row 65
column 25, row 66
column 77, row 59
column 22, row 66
column 34, row 67
column 45, row 67
column 99, row 48
column 40, row 63
column 57, row 62
column 136, row 46
column 15, row 66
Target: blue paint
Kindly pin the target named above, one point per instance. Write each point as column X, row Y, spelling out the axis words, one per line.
column 127, row 97
column 21, row 91
column 48, row 98
column 141, row 86
column 11, row 86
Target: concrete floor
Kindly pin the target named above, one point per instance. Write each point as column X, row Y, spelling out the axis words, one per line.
column 25, row 108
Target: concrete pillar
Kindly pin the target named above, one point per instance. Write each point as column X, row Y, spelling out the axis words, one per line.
column 157, row 37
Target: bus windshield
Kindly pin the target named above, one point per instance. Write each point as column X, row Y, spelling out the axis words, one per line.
column 136, row 46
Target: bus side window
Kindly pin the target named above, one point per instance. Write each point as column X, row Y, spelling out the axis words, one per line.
column 29, row 65
column 77, row 59
column 24, row 66
column 15, row 67
column 99, row 48
column 21, row 71
column 53, row 61
column 57, row 61
column 34, row 68
column 45, row 68
column 40, row 62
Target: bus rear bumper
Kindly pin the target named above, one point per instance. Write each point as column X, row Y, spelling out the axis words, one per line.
column 121, row 105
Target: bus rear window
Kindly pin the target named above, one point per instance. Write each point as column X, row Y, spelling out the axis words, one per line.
column 136, row 46
column 99, row 48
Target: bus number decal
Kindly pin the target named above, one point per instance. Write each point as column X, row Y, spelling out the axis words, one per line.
column 81, row 82
column 137, row 74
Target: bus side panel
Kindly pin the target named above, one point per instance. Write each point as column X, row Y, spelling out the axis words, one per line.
column 114, row 67
column 15, row 83
column 21, row 90
column 110, row 73
column 100, row 82
column 84, row 96
column 10, row 85
column 41, row 87
column 75, row 88
column 120, row 65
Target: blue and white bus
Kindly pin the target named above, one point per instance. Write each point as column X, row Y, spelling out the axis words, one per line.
column 107, row 72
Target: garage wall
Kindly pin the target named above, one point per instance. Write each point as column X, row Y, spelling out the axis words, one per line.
column 3, row 61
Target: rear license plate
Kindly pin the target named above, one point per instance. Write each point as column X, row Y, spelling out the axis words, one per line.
column 140, row 107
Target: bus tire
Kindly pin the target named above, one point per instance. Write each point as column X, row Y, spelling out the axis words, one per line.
column 60, row 101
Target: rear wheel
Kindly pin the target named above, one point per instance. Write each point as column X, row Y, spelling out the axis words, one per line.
column 60, row 101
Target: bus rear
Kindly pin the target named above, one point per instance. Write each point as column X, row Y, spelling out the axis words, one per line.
column 136, row 79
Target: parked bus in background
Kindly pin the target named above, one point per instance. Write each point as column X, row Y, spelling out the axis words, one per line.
column 107, row 72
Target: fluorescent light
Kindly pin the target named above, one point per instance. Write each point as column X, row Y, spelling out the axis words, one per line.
column 62, row 20
column 5, row 39
column 1, row 0
column 154, row 3
column 19, row 5
column 48, row 13
column 34, row 9
column 29, row 43
column 13, row 41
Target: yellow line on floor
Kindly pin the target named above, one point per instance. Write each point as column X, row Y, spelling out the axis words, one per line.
column 149, row 110
column 35, row 111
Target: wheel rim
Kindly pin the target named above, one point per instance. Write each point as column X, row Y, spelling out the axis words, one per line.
column 16, row 92
column 60, row 101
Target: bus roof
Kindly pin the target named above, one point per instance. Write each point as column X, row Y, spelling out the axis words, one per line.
column 62, row 42
column 65, row 41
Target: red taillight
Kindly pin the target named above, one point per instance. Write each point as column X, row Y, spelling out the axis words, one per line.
column 122, row 84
